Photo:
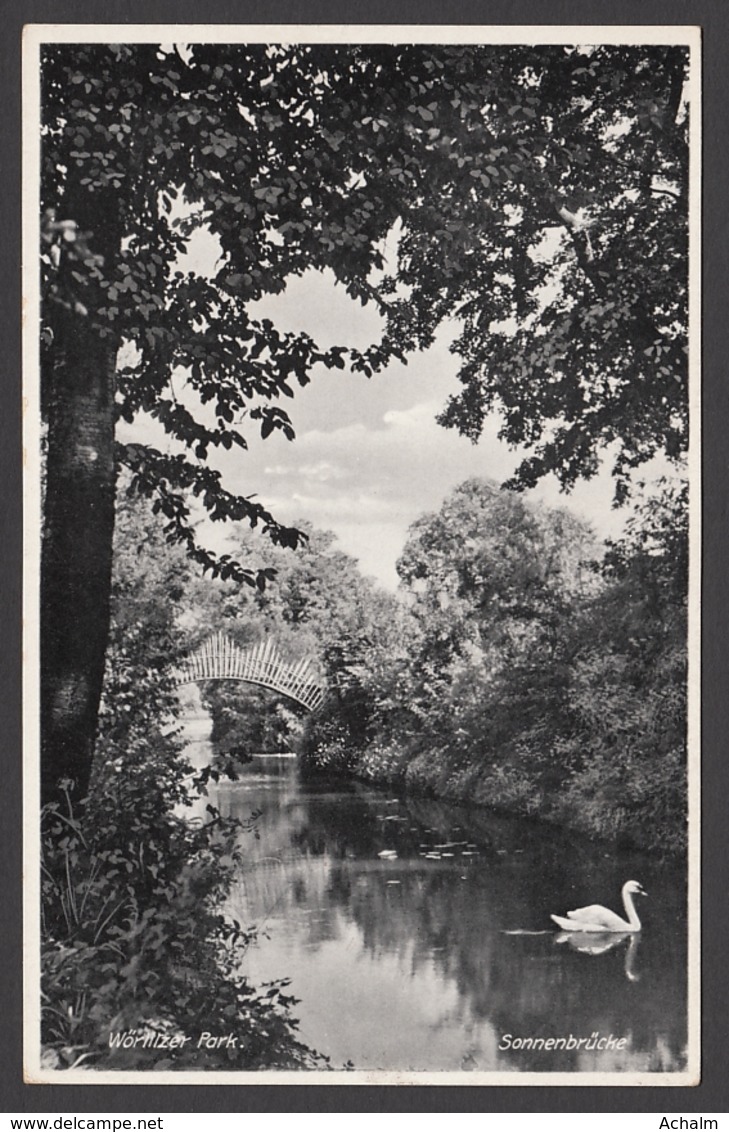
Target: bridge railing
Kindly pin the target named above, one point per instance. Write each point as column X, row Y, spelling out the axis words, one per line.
column 219, row 658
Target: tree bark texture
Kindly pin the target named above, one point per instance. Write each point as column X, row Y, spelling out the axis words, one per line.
column 77, row 542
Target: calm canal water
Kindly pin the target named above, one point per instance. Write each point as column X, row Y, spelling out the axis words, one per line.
column 440, row 954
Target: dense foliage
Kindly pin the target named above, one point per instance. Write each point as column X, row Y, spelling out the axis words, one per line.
column 628, row 686
column 540, row 198
column 542, row 189
column 320, row 607
column 531, row 673
column 133, row 939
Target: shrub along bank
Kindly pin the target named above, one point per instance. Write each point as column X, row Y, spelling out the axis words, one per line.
column 137, row 961
column 526, row 677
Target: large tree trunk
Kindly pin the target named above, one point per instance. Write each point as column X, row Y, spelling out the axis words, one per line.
column 77, row 536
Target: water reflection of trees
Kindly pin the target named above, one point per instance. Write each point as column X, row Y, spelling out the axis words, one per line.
column 317, row 862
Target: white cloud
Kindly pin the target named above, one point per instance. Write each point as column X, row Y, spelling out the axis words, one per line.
column 369, row 457
column 322, row 472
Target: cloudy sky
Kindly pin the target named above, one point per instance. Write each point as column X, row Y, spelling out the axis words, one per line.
column 368, row 457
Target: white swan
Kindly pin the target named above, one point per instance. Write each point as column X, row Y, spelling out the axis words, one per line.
column 595, row 918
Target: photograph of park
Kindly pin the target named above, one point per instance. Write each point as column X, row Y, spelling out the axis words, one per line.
column 361, row 370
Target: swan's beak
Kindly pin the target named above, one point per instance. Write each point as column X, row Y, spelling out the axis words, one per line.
column 642, row 892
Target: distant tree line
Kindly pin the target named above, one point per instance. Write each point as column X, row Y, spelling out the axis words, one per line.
column 522, row 665
column 533, row 671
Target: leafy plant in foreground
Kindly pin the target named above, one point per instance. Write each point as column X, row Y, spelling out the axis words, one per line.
column 132, row 934
column 131, row 945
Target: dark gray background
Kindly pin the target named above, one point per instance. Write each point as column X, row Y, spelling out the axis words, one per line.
column 712, row 1095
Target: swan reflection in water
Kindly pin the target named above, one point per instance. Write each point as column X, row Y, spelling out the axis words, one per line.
column 597, row 943
column 595, row 929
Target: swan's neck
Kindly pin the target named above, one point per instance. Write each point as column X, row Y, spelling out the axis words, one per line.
column 630, row 910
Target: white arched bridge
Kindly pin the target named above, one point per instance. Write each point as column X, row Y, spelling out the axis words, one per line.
column 219, row 658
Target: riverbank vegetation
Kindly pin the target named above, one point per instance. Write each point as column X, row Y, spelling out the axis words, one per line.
column 133, row 941
column 523, row 665
column 533, row 672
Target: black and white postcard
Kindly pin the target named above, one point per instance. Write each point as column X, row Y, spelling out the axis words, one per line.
column 362, row 435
